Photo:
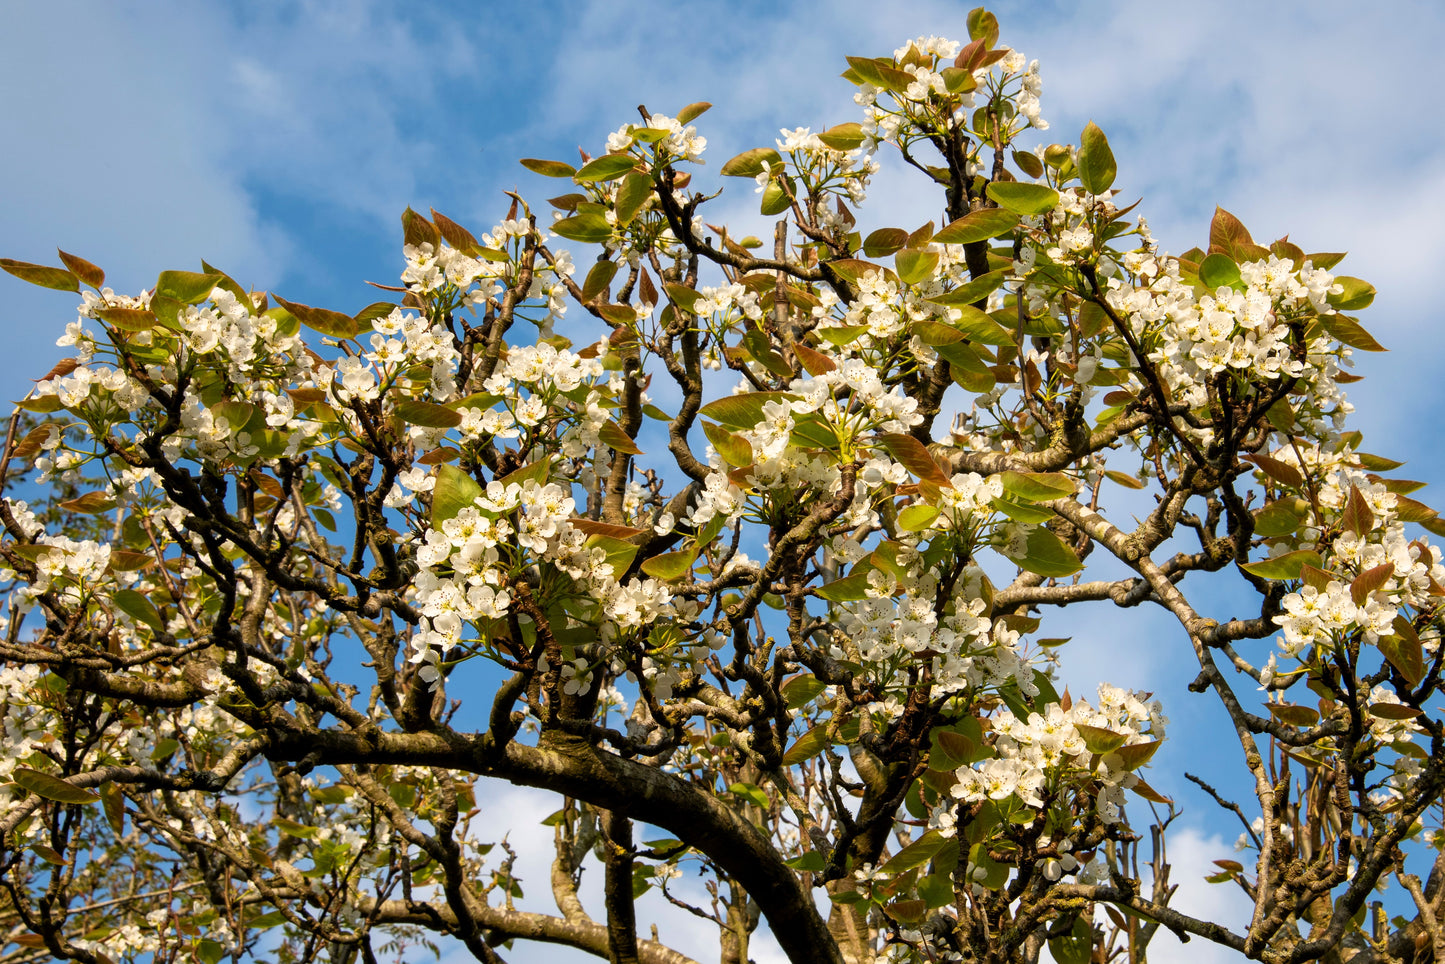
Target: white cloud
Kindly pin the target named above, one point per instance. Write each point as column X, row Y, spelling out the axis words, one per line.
column 1191, row 857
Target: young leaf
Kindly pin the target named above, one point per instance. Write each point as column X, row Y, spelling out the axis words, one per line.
column 82, row 269
column 1218, row 270
column 670, row 565
column 692, row 112
column 914, row 265
column 608, row 167
column 427, row 414
column 1038, row 486
column 742, row 411
column 734, row 449
column 1096, row 160
column 52, row 787
column 972, row 291
column 38, row 274
column 1047, row 555
column 1287, row 566
column 138, row 607
column 613, row 437
column 980, row 225
column 187, row 287
column 1226, row 232
column 587, row 228
column 809, row 745
column 129, row 319
column 917, row 517
column 548, row 168
column 454, row 491
column 884, row 241
column 632, row 195
column 333, row 324
column 750, row 163
column 912, row 455
column 1023, row 198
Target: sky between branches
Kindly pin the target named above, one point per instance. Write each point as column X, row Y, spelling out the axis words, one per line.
column 280, row 141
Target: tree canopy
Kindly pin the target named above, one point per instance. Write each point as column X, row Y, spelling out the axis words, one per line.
column 747, row 550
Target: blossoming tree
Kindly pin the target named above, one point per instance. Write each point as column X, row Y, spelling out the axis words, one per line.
column 291, row 589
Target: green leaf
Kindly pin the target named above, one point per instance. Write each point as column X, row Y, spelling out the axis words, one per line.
column 775, row 199
column 750, row 163
column 1047, row 555
column 692, row 112
column 588, row 228
column 52, row 787
column 916, row 854
column 1023, row 198
column 850, row 588
column 1038, row 486
column 973, row 290
column 800, row 690
column 633, row 193
column 917, row 517
column 1280, row 518
column 743, row 411
column 843, row 137
column 138, row 607
column 608, row 167
column 1218, row 271
column 333, row 324
column 1096, row 160
column 670, row 565
column 1350, row 332
column 187, row 287
column 615, row 438
column 1357, row 294
column 994, row 874
column 1021, row 512
column 983, row 25
column 1075, row 947
column 751, row 793
column 427, row 414
column 914, row 265
column 980, row 326
column 619, row 553
column 38, row 274
column 548, row 168
column 884, row 241
column 454, row 491
column 113, row 801
column 129, row 319
column 951, row 749
column 811, row 861
column 1286, row 566
column 936, row 335
column 734, row 449
column 1100, row 740
column 980, row 225
column 1136, row 755
column 1404, row 651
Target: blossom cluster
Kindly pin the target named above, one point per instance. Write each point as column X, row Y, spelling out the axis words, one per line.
column 1046, row 753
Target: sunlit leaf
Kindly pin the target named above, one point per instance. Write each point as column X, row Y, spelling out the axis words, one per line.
column 1022, row 197
column 52, row 787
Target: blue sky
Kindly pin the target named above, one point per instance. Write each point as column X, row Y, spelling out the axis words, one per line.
column 280, row 141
